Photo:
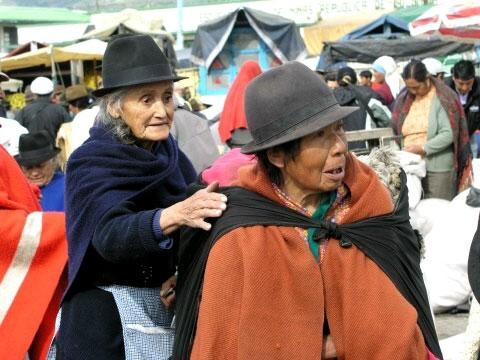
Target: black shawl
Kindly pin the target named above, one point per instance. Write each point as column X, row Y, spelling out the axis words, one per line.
column 388, row 240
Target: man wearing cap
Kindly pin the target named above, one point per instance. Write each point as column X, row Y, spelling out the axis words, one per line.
column 434, row 68
column 467, row 86
column 41, row 114
column 380, row 86
column 33, row 258
column 38, row 160
column 10, row 130
column 72, row 134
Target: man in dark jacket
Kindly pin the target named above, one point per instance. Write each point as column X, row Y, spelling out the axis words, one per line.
column 348, row 93
column 467, row 86
column 41, row 114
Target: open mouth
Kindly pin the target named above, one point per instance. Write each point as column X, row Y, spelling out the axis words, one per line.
column 338, row 170
column 335, row 174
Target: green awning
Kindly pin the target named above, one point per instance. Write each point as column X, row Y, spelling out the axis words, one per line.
column 41, row 15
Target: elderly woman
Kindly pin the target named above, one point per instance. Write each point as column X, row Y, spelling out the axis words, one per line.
column 38, row 159
column 125, row 197
column 272, row 281
column 430, row 119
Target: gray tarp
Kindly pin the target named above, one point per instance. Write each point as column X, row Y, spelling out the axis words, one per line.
column 280, row 34
column 366, row 51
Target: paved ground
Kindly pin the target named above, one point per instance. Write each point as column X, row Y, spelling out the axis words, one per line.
column 450, row 330
column 449, row 325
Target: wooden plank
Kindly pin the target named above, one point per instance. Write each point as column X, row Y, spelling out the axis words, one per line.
column 359, row 135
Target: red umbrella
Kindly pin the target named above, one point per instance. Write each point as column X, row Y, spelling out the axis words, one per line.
column 457, row 22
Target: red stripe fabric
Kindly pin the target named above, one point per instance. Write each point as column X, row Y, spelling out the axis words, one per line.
column 30, row 317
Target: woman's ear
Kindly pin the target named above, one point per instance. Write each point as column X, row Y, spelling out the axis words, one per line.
column 113, row 111
column 276, row 157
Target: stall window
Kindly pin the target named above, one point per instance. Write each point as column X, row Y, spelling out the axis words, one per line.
column 243, row 45
column 10, row 37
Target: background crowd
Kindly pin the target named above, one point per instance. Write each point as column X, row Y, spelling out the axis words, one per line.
column 115, row 166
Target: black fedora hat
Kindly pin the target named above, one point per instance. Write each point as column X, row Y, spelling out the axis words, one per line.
column 133, row 60
column 35, row 148
column 287, row 103
column 474, row 263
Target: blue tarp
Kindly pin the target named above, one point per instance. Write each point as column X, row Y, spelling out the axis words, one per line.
column 385, row 26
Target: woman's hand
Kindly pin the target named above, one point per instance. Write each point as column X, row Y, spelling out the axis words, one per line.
column 194, row 210
column 416, row 149
column 328, row 350
column 167, row 292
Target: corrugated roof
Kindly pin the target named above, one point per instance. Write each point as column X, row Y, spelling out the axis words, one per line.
column 38, row 15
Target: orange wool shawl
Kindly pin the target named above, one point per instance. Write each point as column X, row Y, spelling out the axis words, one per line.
column 265, row 297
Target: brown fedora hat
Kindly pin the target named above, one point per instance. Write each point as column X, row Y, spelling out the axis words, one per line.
column 75, row 92
column 288, row 103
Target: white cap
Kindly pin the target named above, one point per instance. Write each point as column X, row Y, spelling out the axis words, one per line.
column 434, row 67
column 41, row 86
column 387, row 63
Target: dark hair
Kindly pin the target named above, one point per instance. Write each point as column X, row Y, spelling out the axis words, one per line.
column 290, row 149
column 463, row 70
column 331, row 76
column 81, row 103
column 415, row 69
column 366, row 74
column 346, row 76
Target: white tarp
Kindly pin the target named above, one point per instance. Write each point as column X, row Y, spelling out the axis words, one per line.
column 87, row 50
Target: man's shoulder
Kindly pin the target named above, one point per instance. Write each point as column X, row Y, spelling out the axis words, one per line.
column 476, row 88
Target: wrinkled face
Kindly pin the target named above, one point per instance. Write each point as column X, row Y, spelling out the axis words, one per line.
column 320, row 163
column 41, row 174
column 148, row 110
column 418, row 88
column 463, row 86
column 378, row 77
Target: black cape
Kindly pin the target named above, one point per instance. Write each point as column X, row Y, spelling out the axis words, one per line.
column 388, row 240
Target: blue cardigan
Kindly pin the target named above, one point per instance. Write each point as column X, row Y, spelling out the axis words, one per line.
column 104, row 173
column 53, row 194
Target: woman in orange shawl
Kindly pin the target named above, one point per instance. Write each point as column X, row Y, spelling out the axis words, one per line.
column 233, row 114
column 271, row 290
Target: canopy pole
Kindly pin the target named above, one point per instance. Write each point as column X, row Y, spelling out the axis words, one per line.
column 180, row 21
column 52, row 64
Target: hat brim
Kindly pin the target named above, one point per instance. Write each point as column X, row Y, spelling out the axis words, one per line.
column 36, row 160
column 104, row 91
column 307, row 127
column 474, row 265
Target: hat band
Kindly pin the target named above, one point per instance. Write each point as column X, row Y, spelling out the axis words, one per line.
column 37, row 153
column 133, row 75
column 276, row 128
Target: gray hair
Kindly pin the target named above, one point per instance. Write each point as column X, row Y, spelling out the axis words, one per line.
column 116, row 125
